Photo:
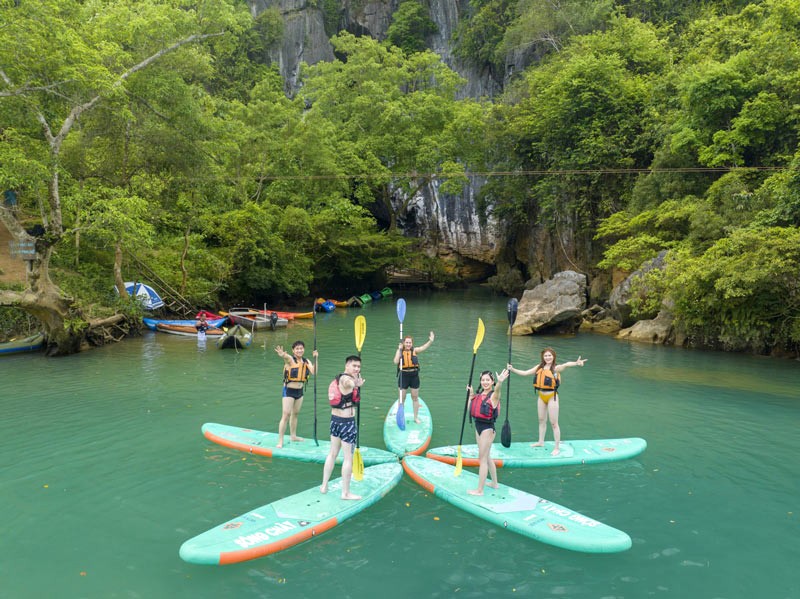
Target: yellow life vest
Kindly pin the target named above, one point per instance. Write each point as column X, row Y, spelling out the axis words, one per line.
column 409, row 360
column 296, row 373
column 546, row 380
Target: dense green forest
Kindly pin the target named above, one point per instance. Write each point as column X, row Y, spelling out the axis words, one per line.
column 155, row 128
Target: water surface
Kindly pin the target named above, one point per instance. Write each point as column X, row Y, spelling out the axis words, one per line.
column 104, row 471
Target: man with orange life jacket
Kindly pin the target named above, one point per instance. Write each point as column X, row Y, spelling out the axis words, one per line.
column 344, row 393
column 296, row 370
column 547, row 378
column 484, row 410
column 408, row 369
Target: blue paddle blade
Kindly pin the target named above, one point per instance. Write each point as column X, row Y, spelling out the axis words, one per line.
column 401, row 309
column 401, row 416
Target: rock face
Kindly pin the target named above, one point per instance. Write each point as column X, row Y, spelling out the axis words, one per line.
column 659, row 330
column 620, row 297
column 553, row 306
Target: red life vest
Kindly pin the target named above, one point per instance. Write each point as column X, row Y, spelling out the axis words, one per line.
column 481, row 407
column 341, row 401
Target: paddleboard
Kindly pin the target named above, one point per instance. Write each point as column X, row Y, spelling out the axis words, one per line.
column 416, row 437
column 289, row 521
column 516, row 510
column 522, row 455
column 264, row 443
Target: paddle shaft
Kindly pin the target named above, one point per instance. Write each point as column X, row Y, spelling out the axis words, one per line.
column 316, row 370
column 466, row 401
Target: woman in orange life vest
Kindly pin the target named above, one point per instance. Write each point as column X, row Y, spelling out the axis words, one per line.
column 296, row 370
column 547, row 378
column 484, row 408
column 344, row 393
column 408, row 374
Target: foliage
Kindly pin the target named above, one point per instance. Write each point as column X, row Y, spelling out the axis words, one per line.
column 411, row 25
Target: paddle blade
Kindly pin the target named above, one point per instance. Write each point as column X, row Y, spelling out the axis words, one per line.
column 479, row 336
column 360, row 330
column 358, row 465
column 401, row 416
column 505, row 434
column 513, row 306
column 459, row 463
column 401, row 309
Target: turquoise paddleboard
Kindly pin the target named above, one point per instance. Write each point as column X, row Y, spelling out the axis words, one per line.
column 289, row 521
column 416, row 437
column 522, row 455
column 262, row 443
column 517, row 510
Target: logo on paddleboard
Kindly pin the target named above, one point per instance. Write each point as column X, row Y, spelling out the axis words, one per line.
column 609, row 449
column 232, row 525
column 557, row 527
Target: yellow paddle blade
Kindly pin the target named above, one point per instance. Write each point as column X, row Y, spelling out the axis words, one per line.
column 459, row 463
column 361, row 333
column 358, row 465
column 479, row 336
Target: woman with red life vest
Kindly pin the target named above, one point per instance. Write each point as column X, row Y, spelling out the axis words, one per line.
column 547, row 378
column 296, row 370
column 484, row 408
column 408, row 369
column 343, row 395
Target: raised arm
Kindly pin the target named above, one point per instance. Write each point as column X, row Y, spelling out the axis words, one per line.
column 579, row 362
column 528, row 372
column 283, row 354
column 427, row 344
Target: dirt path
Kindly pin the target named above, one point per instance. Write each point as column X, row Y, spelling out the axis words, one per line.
column 12, row 270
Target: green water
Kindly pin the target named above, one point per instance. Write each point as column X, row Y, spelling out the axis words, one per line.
column 104, row 471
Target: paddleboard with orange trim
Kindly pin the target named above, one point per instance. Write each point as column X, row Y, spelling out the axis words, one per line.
column 289, row 521
column 265, row 443
column 516, row 510
column 522, row 454
column 416, row 437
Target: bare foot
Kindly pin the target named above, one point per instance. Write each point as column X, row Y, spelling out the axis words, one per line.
column 279, row 445
column 297, row 439
column 493, row 485
column 537, row 444
column 417, row 420
column 556, row 451
column 475, row 492
column 351, row 496
column 323, row 489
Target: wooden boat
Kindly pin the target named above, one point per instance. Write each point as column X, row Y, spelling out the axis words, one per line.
column 26, row 344
column 256, row 319
column 152, row 323
column 187, row 330
column 236, row 337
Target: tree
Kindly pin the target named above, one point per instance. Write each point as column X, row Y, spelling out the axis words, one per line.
column 76, row 57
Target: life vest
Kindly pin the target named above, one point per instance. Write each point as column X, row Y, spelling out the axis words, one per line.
column 341, row 401
column 481, row 407
column 296, row 373
column 201, row 326
column 546, row 380
column 409, row 360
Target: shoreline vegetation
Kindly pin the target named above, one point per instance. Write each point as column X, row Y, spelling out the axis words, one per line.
column 626, row 132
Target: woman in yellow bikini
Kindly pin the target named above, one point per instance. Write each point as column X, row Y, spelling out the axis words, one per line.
column 547, row 378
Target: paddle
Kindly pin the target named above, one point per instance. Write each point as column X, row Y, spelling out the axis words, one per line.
column 401, row 410
column 316, row 366
column 358, row 462
column 475, row 346
column 505, row 434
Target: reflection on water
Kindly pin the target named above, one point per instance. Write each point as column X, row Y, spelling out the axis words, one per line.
column 105, row 472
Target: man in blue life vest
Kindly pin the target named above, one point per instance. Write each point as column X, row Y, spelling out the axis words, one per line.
column 408, row 369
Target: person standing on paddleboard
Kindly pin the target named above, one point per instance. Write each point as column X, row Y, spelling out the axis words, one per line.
column 408, row 374
column 296, row 370
column 344, row 393
column 484, row 408
column 547, row 378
